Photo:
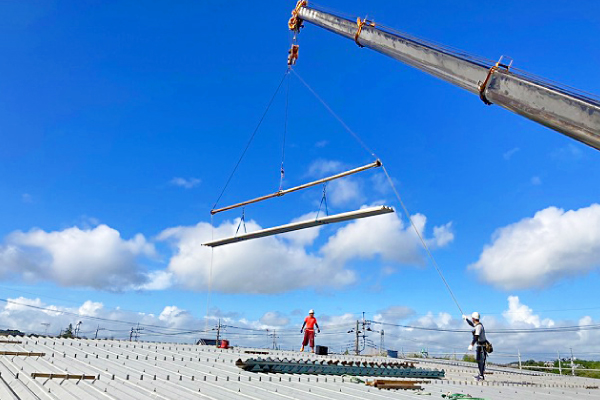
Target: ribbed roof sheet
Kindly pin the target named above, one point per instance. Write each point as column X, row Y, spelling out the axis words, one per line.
column 142, row 370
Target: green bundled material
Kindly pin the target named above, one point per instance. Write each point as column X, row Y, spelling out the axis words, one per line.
column 456, row 396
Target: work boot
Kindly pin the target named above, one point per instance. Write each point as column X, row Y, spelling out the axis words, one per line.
column 302, row 349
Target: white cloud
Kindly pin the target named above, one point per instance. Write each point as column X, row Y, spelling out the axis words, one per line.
column 394, row 314
column 384, row 236
column 90, row 308
column 319, row 168
column 185, row 183
column 442, row 235
column 568, row 153
column 267, row 265
column 303, row 237
column 508, row 155
column 446, row 334
column 519, row 314
column 274, row 318
column 156, row 280
column 27, row 198
column 97, row 257
column 344, row 191
column 282, row 263
column 175, row 317
column 536, row 181
column 537, row 252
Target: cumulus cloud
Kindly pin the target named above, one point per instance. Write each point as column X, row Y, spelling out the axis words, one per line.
column 345, row 191
column 340, row 192
column 394, row 314
column 287, row 262
column 320, row 168
column 444, row 334
column 519, row 314
column 442, row 235
column 303, row 237
column 97, row 257
column 385, row 236
column 36, row 316
column 267, row 265
column 185, row 183
column 537, row 252
column 274, row 318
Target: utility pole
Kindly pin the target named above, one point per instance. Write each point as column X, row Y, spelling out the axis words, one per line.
column 46, row 324
column 274, row 339
column 218, row 331
column 519, row 353
column 134, row 332
column 77, row 329
column 98, row 329
column 559, row 365
column 356, row 341
column 381, row 344
column 572, row 365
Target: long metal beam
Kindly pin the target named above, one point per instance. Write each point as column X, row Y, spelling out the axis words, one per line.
column 280, row 193
column 558, row 108
column 362, row 213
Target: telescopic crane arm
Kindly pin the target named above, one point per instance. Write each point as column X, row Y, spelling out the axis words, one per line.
column 558, row 108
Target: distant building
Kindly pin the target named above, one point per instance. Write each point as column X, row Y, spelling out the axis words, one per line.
column 207, row 342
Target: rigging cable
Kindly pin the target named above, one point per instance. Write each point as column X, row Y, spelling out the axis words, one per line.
column 229, row 180
column 423, row 243
column 251, row 138
column 359, row 140
column 285, row 121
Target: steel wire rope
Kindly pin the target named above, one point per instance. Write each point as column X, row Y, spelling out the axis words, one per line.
column 229, row 180
column 433, row 261
column 285, row 123
column 252, row 137
column 359, row 140
column 356, row 137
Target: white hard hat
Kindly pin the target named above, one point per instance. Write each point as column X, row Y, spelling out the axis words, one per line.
column 311, row 311
column 475, row 315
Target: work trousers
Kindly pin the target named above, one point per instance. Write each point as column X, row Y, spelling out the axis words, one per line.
column 309, row 337
column 480, row 357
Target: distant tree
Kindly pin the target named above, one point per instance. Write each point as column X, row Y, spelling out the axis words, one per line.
column 68, row 333
column 469, row 358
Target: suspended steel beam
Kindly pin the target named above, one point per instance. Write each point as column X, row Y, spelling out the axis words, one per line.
column 559, row 108
column 294, row 189
column 362, row 213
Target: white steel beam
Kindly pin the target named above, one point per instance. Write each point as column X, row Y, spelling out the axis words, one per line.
column 280, row 193
column 362, row 213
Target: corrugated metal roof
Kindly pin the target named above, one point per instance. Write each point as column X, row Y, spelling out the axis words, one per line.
column 142, row 370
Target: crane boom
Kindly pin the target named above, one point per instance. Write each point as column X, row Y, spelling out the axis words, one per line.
column 558, row 108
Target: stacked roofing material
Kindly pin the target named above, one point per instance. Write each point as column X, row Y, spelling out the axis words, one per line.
column 108, row 369
column 331, row 367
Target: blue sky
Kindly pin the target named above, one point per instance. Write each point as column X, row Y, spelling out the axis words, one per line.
column 121, row 123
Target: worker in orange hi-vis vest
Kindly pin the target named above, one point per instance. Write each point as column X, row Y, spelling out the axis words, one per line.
column 309, row 333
